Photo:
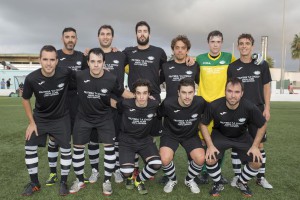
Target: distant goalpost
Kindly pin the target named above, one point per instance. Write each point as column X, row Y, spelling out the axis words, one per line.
column 19, row 83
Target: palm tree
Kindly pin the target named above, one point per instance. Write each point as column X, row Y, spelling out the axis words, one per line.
column 270, row 61
column 295, row 48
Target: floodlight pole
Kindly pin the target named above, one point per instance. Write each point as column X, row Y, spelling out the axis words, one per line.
column 283, row 52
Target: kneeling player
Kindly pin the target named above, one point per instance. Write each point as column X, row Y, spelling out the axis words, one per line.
column 231, row 116
column 137, row 121
column 182, row 115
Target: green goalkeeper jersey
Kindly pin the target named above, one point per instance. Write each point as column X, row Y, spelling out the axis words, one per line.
column 213, row 75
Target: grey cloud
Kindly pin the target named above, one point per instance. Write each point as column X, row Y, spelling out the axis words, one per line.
column 27, row 25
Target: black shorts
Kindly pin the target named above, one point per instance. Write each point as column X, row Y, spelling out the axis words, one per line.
column 144, row 147
column 94, row 136
column 240, row 144
column 83, row 130
column 117, row 117
column 189, row 144
column 72, row 103
column 253, row 129
column 60, row 129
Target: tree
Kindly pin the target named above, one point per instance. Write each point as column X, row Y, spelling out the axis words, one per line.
column 270, row 61
column 295, row 48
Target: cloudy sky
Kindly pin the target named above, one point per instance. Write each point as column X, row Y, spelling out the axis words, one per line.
column 25, row 26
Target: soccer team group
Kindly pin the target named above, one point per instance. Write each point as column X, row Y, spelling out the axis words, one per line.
column 83, row 97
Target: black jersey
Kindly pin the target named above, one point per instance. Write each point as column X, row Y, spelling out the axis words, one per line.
column 181, row 122
column 233, row 123
column 94, row 95
column 76, row 61
column 173, row 72
column 145, row 64
column 115, row 62
column 254, row 78
column 50, row 93
column 137, row 122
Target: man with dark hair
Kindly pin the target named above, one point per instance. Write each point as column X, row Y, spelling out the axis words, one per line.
column 181, row 119
column 213, row 68
column 68, row 57
column 175, row 70
column 145, row 61
column 94, row 87
column 256, row 79
column 232, row 115
column 50, row 116
column 115, row 62
column 137, row 120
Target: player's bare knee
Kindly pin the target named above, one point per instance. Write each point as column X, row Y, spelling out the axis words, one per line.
column 255, row 165
column 198, row 156
column 211, row 162
column 166, row 157
column 199, row 160
column 166, row 160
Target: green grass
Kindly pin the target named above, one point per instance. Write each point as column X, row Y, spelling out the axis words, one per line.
column 282, row 162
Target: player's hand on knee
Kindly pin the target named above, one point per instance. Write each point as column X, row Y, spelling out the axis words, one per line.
column 30, row 129
column 256, row 154
column 211, row 153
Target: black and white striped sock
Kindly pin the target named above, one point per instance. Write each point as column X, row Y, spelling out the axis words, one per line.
column 117, row 156
column 65, row 163
column 93, row 151
column 247, row 174
column 78, row 162
column 151, row 168
column 236, row 163
column 169, row 170
column 214, row 172
column 193, row 170
column 262, row 169
column 52, row 155
column 109, row 161
column 31, row 160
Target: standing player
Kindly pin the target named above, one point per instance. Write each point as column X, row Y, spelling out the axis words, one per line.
column 115, row 62
column 256, row 79
column 145, row 61
column 231, row 116
column 50, row 116
column 94, row 87
column 213, row 75
column 137, row 120
column 181, row 119
column 175, row 70
column 74, row 60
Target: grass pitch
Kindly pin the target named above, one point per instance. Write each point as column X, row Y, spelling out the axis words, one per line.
column 282, row 149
